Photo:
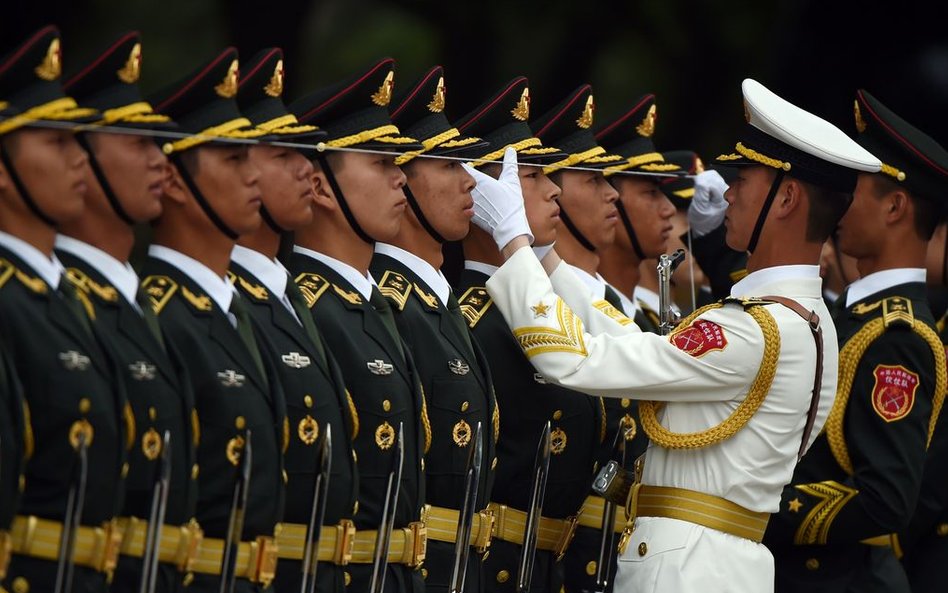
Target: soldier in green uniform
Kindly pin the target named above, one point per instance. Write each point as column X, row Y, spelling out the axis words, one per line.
column 316, row 398
column 453, row 370
column 527, row 400
column 359, row 201
column 858, row 485
column 644, row 211
column 15, row 445
column 125, row 186
column 66, row 374
column 212, row 198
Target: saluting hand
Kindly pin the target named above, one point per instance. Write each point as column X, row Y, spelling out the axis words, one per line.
column 706, row 211
column 498, row 203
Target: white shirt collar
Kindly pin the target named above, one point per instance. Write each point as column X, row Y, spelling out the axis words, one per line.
column 269, row 271
column 363, row 284
column 121, row 275
column 218, row 288
column 881, row 280
column 49, row 269
column 477, row 266
column 428, row 274
column 751, row 284
column 595, row 283
column 647, row 296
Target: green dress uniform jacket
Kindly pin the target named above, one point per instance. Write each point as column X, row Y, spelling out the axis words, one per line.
column 381, row 378
column 15, row 442
column 577, row 425
column 233, row 394
column 460, row 394
column 861, row 478
column 160, row 400
column 69, row 383
column 316, row 397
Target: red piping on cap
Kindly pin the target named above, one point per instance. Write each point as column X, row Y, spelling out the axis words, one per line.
column 899, row 137
column 576, row 95
column 490, row 105
column 256, row 67
column 77, row 77
column 27, row 45
column 385, row 62
column 230, row 52
column 417, row 89
column 628, row 114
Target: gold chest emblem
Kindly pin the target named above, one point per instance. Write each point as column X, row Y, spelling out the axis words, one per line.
column 235, row 448
column 557, row 441
column 228, row 87
column 308, row 430
column 647, row 127
column 860, row 122
column 274, row 88
column 585, row 120
column 151, row 444
column 461, row 433
column 130, row 72
column 383, row 96
column 81, row 429
column 51, row 66
column 437, row 102
column 627, row 425
column 522, row 110
column 385, row 436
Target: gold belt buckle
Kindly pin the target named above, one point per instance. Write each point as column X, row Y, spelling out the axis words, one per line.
column 419, row 543
column 345, row 540
column 264, row 560
column 6, row 550
column 111, row 544
column 566, row 537
column 483, row 536
column 188, row 547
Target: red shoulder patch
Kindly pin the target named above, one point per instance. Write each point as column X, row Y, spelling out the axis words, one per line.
column 893, row 393
column 699, row 338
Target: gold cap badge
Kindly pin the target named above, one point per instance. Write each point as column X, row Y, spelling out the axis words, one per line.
column 647, row 127
column 585, row 120
column 274, row 88
column 860, row 122
column 228, row 87
column 522, row 110
column 51, row 66
column 130, row 72
column 383, row 96
column 437, row 102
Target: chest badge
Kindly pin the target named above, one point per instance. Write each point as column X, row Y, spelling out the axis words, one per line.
column 557, row 441
column 385, row 436
column 231, row 378
column 308, row 430
column 461, row 433
column 458, row 367
column 73, row 361
column 142, row 371
column 379, row 367
column 295, row 360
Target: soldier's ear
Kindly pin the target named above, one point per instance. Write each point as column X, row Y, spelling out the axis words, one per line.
column 897, row 206
column 325, row 198
column 176, row 189
column 790, row 199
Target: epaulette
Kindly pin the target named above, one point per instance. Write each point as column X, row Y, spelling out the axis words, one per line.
column 6, row 271
column 159, row 289
column 201, row 302
column 257, row 291
column 34, row 284
column 611, row 312
column 895, row 310
column 350, row 297
column 312, row 286
column 395, row 288
column 429, row 299
column 474, row 303
column 81, row 280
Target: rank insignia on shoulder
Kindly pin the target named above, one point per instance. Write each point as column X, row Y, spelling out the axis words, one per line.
column 458, row 367
column 295, row 360
column 255, row 290
column 201, row 302
column 81, row 280
column 231, row 378
column 312, row 286
column 429, row 299
column 379, row 367
column 474, row 303
column 159, row 289
column 893, row 393
column 353, row 298
column 395, row 288
column 73, row 361
column 897, row 310
column 142, row 371
column 699, row 338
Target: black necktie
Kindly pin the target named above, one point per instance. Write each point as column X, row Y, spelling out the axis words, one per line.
column 612, row 297
column 144, row 303
column 381, row 307
column 460, row 322
column 306, row 318
column 70, row 296
column 245, row 330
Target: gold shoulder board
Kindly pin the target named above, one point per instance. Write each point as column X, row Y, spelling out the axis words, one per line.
column 474, row 303
column 312, row 286
column 897, row 310
column 159, row 289
column 395, row 288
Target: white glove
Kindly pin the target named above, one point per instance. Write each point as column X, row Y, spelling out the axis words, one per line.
column 706, row 211
column 542, row 250
column 498, row 203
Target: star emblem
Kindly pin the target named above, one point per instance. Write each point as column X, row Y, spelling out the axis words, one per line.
column 142, row 371
column 540, row 309
column 231, row 378
column 73, row 361
column 795, row 505
column 295, row 360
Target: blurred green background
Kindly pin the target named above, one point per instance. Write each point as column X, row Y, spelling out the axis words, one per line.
column 691, row 54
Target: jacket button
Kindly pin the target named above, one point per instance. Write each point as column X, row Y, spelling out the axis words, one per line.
column 503, row 576
column 942, row 529
column 591, row 568
column 812, row 564
column 643, row 549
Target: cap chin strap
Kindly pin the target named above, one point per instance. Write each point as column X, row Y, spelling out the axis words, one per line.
column 627, row 223
column 764, row 211
column 103, row 181
column 346, row 211
column 201, row 200
column 267, row 218
column 420, row 215
column 587, row 245
column 21, row 188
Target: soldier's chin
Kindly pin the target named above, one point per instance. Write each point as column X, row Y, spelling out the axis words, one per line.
column 735, row 242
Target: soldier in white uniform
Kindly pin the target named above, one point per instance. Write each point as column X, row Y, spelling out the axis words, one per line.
column 740, row 388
